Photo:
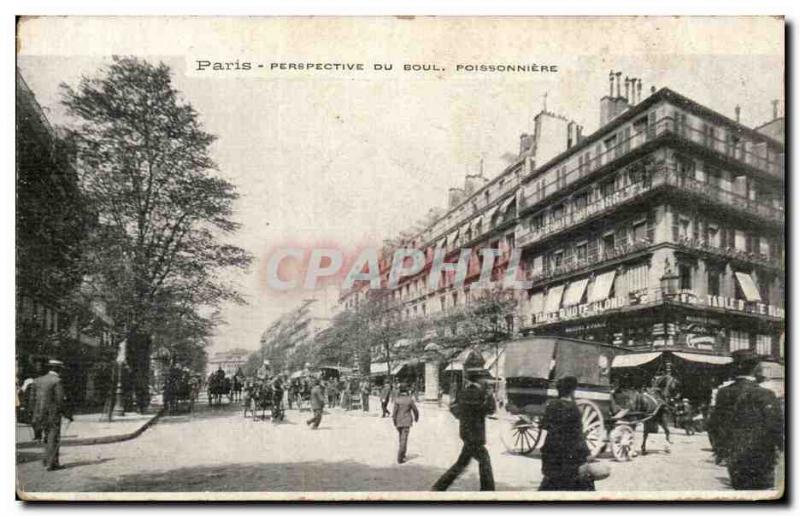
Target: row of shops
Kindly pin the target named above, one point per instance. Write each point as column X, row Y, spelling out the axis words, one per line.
column 699, row 372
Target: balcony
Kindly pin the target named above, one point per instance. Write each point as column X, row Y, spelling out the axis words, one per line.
column 666, row 126
column 663, row 175
column 731, row 254
column 653, row 297
column 574, row 265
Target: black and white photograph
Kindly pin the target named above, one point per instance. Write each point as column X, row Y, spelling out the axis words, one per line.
column 400, row 258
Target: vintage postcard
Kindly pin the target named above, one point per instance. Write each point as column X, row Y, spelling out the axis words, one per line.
column 400, row 258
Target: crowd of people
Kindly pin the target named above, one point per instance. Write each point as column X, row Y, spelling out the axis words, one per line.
column 745, row 423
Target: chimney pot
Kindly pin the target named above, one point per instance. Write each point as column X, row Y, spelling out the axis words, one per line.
column 738, row 111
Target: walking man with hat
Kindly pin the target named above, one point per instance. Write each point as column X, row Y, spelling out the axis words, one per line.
column 564, row 450
column 747, row 425
column 404, row 415
column 472, row 404
column 49, row 410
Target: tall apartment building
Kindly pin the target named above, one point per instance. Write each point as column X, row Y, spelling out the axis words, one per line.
column 661, row 232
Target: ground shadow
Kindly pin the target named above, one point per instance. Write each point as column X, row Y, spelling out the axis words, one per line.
column 290, row 477
column 24, row 457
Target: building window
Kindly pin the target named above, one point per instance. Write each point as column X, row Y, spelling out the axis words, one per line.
column 763, row 345
column 557, row 213
column 537, row 222
column 580, row 201
column 739, row 340
column 581, row 252
column 608, row 242
column 685, row 273
column 713, row 282
column 640, row 231
column 558, row 259
column 607, row 189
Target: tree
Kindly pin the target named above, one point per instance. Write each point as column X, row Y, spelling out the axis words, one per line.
column 163, row 213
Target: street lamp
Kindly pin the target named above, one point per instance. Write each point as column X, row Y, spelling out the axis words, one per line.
column 669, row 288
column 433, row 355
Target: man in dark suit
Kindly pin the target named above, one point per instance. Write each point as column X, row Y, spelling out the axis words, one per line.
column 48, row 411
column 747, row 424
column 404, row 415
column 317, row 404
column 473, row 403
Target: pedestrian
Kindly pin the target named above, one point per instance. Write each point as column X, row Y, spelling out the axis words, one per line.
column 564, row 450
column 317, row 404
column 685, row 416
column 404, row 414
column 386, row 394
column 344, row 396
column 747, row 423
column 472, row 404
column 50, row 407
column 365, row 395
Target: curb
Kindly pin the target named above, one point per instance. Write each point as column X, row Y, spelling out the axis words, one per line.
column 106, row 439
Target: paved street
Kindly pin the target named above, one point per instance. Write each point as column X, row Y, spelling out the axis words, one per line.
column 218, row 450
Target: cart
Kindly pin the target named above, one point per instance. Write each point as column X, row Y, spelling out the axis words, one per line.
column 532, row 365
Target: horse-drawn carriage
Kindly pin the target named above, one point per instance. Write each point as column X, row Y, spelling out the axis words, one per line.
column 531, row 367
column 262, row 395
column 181, row 390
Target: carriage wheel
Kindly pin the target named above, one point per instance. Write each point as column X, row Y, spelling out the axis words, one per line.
column 621, row 439
column 521, row 436
column 593, row 429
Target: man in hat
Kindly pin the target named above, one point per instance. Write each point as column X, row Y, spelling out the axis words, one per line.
column 317, row 405
column 48, row 411
column 472, row 404
column 564, row 450
column 747, row 426
column 404, row 415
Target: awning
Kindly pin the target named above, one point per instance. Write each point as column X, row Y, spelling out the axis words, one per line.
column 748, row 286
column 705, row 359
column 634, row 359
column 575, row 292
column 458, row 363
column 504, row 206
column 601, row 287
column 378, row 368
column 553, row 300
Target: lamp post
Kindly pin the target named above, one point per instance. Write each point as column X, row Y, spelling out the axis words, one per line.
column 433, row 356
column 669, row 288
column 119, row 406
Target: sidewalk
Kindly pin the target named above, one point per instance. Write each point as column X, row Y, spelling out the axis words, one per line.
column 89, row 429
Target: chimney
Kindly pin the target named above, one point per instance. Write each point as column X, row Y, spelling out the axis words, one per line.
column 454, row 197
column 612, row 106
column 525, row 144
column 775, row 109
column 639, row 90
column 738, row 111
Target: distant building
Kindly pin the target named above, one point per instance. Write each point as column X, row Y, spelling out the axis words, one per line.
column 230, row 361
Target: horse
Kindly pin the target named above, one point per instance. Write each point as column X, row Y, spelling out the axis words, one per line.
column 260, row 399
column 217, row 387
column 647, row 406
column 236, row 388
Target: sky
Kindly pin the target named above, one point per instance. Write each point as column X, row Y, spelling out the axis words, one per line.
column 348, row 159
